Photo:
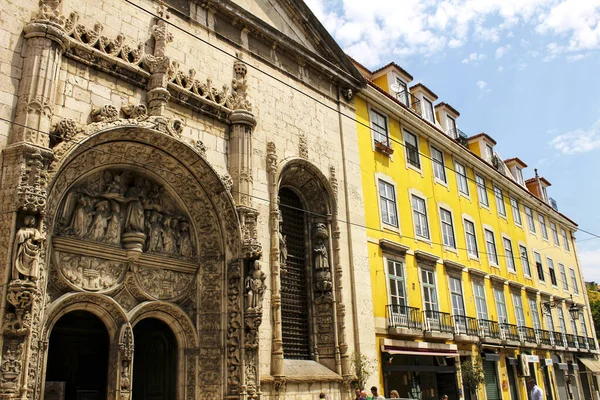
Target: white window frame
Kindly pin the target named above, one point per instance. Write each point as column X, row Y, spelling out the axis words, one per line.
column 409, row 135
column 458, row 294
column 540, row 270
column 427, row 111
column 566, row 244
column 519, row 177
column 447, row 227
column 535, row 314
column 530, row 219
column 399, row 81
column 543, row 228
column 401, row 280
column 563, row 276
column 471, row 238
column 514, row 204
column 393, row 202
column 421, row 214
column 492, row 256
column 482, row 191
column 500, row 206
column 462, row 180
column 524, row 257
column 426, row 286
column 500, row 299
column 554, row 230
column 480, row 300
column 552, row 272
column 509, row 254
column 375, row 127
column 439, row 166
column 574, row 281
column 519, row 309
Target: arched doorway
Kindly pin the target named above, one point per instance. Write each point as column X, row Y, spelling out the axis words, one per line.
column 78, row 356
column 154, row 361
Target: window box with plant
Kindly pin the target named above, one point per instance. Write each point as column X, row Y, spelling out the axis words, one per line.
column 383, row 148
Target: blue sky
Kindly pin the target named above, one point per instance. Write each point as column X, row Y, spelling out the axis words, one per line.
column 523, row 71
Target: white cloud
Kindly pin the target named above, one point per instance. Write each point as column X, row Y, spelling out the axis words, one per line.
column 474, row 58
column 483, row 86
column 578, row 141
column 426, row 28
column 500, row 69
column 502, row 50
column 590, row 264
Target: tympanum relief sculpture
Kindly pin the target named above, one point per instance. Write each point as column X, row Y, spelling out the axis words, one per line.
column 114, row 215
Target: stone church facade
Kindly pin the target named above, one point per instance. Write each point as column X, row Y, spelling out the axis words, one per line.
column 176, row 219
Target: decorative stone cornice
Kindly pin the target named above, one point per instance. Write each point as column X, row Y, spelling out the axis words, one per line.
column 426, row 258
column 393, row 247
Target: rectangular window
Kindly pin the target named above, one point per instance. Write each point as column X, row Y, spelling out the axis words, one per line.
column 563, row 276
column 549, row 321
column 551, row 271
column 519, row 312
column 565, row 239
column 429, row 290
column 411, row 143
column 514, row 204
column 520, row 176
column 471, row 238
column 428, row 105
column 490, row 244
column 543, row 226
column 508, row 254
column 396, row 283
column 535, row 315
column 530, row 220
column 479, row 290
column 387, row 201
column 524, row 260
column 380, row 128
column 574, row 281
column 461, row 178
column 458, row 304
column 482, row 191
column 452, row 132
column 420, row 217
column 500, row 305
column 554, row 233
column 561, row 319
column 439, row 170
column 447, row 229
column 402, row 94
column 539, row 266
column 499, row 201
column 489, row 152
column 582, row 323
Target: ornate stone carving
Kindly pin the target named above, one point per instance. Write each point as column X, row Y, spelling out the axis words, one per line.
column 88, row 273
column 163, row 284
column 251, row 246
column 238, row 99
column 200, row 148
column 33, row 181
column 106, row 113
column 11, row 367
column 139, row 111
column 283, row 253
column 348, row 94
column 255, row 287
column 227, row 181
column 234, row 326
column 126, row 348
column 64, row 130
column 303, row 146
column 26, row 251
column 333, row 181
column 117, row 206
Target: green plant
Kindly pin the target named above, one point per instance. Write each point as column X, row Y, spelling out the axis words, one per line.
column 364, row 367
column 472, row 374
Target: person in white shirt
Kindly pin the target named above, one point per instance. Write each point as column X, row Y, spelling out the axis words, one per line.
column 536, row 391
column 375, row 394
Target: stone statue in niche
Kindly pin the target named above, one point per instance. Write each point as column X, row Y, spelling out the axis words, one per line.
column 26, row 251
column 283, row 253
column 321, row 260
column 255, row 287
column 121, row 207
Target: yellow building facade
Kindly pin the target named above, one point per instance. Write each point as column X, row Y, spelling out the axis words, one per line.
column 470, row 263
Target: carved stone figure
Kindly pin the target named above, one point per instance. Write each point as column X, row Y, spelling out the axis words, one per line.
column 100, row 222
column 321, row 261
column 113, row 185
column 169, row 241
column 186, row 248
column 255, row 287
column 134, row 221
column 283, row 253
column 155, row 232
column 81, row 218
column 11, row 366
column 113, row 231
column 26, row 251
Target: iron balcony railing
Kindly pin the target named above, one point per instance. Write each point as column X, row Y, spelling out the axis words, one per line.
column 510, row 332
column 410, row 101
column 559, row 339
column 436, row 321
column 528, row 334
column 591, row 343
column 465, row 325
column 582, row 342
column 544, row 337
column 571, row 341
column 400, row 316
column 489, row 329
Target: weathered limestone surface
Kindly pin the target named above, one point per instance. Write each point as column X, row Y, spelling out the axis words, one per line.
column 140, row 172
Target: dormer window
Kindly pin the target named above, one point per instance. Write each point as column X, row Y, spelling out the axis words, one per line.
column 545, row 193
column 452, row 132
column 519, row 176
column 402, row 93
column 489, row 152
column 428, row 110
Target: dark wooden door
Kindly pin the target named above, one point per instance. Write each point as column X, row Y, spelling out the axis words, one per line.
column 154, row 361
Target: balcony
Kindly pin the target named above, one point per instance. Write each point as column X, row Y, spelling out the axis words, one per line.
column 466, row 329
column 410, row 101
column 558, row 339
column 510, row 333
column 528, row 335
column 404, row 320
column 438, row 325
column 592, row 344
column 582, row 343
column 459, row 136
column 489, row 331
